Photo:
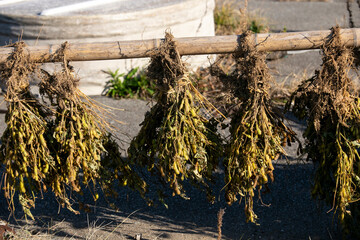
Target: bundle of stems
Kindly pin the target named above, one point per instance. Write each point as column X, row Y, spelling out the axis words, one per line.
column 257, row 131
column 61, row 144
column 76, row 133
column 176, row 142
column 24, row 153
column 333, row 131
column 80, row 142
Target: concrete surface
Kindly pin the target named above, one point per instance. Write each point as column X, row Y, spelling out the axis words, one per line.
column 302, row 16
column 134, row 20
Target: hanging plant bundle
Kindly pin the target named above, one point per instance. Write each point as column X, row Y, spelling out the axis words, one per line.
column 356, row 53
column 79, row 139
column 175, row 141
column 115, row 169
column 257, row 132
column 333, row 130
column 24, row 152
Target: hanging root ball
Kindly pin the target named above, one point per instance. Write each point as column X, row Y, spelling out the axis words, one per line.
column 24, row 151
column 257, row 133
column 175, row 141
column 333, row 131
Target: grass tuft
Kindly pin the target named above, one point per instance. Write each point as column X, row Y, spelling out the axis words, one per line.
column 230, row 19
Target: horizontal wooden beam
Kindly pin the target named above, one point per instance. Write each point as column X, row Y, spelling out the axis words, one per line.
column 187, row 46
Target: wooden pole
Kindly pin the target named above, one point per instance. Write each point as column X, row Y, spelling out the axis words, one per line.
column 187, row 46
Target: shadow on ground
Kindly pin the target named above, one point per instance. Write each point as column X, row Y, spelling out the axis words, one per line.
column 287, row 212
column 290, row 214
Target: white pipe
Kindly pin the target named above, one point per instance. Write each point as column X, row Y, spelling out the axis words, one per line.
column 75, row 7
column 302, row 51
column 6, row 2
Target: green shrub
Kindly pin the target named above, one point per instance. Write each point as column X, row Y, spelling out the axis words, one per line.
column 257, row 27
column 134, row 84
